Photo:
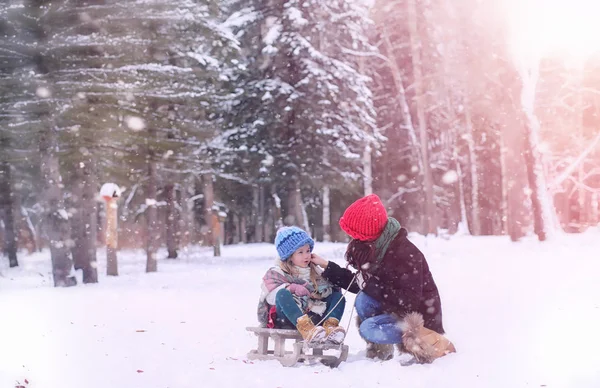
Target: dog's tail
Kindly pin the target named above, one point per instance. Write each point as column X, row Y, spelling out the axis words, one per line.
column 413, row 331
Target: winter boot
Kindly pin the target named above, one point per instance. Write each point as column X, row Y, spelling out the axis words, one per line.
column 424, row 344
column 383, row 352
column 309, row 331
column 335, row 333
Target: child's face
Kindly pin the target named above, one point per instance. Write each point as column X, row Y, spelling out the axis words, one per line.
column 301, row 257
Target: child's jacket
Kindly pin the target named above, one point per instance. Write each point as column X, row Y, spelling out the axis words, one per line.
column 276, row 279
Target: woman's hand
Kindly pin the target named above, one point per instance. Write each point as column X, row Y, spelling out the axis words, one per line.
column 318, row 260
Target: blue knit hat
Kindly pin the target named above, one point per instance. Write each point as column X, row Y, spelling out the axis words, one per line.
column 289, row 239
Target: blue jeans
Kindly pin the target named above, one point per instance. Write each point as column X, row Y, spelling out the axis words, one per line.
column 290, row 312
column 376, row 326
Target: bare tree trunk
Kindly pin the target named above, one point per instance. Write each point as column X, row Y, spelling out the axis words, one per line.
column 464, row 221
column 594, row 209
column 257, row 212
column 326, row 215
column 210, row 216
column 171, row 222
column 581, row 214
column 475, row 209
column 306, row 224
column 84, row 222
column 7, row 210
column 504, row 210
column 429, row 220
column 112, row 237
column 152, row 235
column 207, row 190
column 543, row 211
column 77, row 221
column 254, row 214
column 515, row 222
column 27, row 236
column 294, row 211
column 186, row 221
column 56, row 218
column 459, row 221
column 269, row 220
column 235, row 229
column 277, row 201
column 367, row 154
column 538, row 220
column 515, row 179
column 581, row 168
column 243, row 235
column 216, row 230
column 337, row 235
column 261, row 213
column 367, row 171
column 407, row 123
column 567, row 205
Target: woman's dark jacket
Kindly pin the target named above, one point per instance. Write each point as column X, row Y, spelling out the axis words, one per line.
column 401, row 282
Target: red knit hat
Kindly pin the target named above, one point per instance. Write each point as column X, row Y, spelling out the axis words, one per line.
column 365, row 219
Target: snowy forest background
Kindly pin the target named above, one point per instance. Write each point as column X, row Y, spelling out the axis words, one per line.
column 222, row 120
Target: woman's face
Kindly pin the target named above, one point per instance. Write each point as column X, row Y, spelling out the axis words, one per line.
column 301, row 257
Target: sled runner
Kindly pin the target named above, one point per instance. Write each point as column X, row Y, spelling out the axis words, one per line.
column 290, row 358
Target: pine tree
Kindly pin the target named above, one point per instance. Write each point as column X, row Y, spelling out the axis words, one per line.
column 304, row 113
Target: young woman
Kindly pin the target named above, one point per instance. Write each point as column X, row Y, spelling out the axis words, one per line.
column 398, row 301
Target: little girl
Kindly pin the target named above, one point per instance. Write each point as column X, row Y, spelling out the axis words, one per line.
column 295, row 294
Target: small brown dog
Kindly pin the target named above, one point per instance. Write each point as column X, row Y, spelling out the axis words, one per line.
column 424, row 344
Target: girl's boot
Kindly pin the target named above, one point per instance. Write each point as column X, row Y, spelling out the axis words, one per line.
column 335, row 333
column 309, row 331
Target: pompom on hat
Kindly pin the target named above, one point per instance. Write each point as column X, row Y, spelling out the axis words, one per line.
column 365, row 219
column 289, row 239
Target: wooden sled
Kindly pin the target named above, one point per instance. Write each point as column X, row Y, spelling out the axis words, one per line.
column 290, row 358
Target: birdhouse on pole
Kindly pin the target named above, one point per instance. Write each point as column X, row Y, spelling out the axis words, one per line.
column 111, row 193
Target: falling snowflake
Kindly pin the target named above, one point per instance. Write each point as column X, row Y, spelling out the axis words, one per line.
column 135, row 123
column 43, row 92
column 450, row 177
column 268, row 160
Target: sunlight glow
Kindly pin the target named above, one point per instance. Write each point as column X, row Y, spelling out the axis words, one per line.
column 567, row 28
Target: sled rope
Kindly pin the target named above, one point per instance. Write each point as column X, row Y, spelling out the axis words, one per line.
column 338, row 302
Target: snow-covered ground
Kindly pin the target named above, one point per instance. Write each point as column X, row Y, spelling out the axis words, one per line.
column 520, row 314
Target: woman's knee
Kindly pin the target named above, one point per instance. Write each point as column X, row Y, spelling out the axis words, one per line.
column 366, row 306
column 366, row 329
column 380, row 329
